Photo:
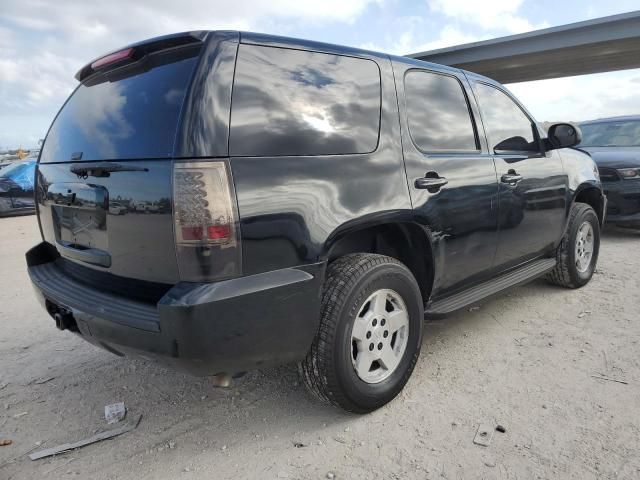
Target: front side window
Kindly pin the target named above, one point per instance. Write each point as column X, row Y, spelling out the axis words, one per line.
column 294, row 102
column 438, row 113
column 508, row 128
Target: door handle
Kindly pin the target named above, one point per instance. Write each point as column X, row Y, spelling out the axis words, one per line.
column 511, row 178
column 431, row 181
column 93, row 256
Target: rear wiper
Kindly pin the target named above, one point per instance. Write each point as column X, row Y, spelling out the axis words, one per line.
column 103, row 169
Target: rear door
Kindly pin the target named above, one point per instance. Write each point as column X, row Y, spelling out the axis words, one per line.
column 112, row 144
column 451, row 177
column 533, row 184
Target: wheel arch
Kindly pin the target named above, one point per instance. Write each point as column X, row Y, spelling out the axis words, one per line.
column 593, row 196
column 395, row 235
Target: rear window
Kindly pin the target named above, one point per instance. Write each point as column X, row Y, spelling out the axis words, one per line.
column 293, row 102
column 128, row 113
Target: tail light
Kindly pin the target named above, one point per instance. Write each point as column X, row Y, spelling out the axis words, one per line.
column 206, row 221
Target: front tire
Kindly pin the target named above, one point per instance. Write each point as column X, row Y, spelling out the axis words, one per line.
column 370, row 333
column 577, row 254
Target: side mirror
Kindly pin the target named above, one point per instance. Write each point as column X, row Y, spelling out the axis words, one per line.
column 563, row 135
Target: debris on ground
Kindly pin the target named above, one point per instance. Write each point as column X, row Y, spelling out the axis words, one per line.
column 500, row 428
column 115, row 412
column 331, row 475
column 21, row 414
column 87, row 441
column 5, row 442
column 40, row 381
column 473, row 309
column 483, row 435
column 608, row 379
column 299, row 444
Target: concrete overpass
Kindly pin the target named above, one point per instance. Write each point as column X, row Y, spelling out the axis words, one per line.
column 593, row 46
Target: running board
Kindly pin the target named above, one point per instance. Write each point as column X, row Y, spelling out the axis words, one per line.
column 486, row 289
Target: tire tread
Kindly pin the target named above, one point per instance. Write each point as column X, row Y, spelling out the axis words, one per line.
column 341, row 277
column 561, row 275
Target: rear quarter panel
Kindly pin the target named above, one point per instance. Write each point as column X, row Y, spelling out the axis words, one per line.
column 290, row 206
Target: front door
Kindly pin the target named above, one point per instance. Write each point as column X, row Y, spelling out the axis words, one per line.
column 452, row 178
column 533, row 185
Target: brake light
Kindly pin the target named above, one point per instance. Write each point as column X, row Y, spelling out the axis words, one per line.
column 205, row 216
column 112, row 58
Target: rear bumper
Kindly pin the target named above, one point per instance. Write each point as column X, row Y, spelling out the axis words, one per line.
column 623, row 202
column 205, row 328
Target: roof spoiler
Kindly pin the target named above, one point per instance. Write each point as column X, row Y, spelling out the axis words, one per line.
column 136, row 51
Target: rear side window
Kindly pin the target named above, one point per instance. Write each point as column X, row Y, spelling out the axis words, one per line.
column 438, row 113
column 127, row 113
column 293, row 102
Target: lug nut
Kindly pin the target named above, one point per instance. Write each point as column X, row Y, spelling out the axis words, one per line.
column 368, row 334
column 371, row 347
column 375, row 322
column 385, row 334
column 380, row 346
column 382, row 322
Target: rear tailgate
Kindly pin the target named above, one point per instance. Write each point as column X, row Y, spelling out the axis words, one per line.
column 121, row 224
column 104, row 179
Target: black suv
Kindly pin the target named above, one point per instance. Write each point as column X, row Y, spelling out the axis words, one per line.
column 281, row 201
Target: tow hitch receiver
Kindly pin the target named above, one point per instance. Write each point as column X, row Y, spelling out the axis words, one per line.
column 63, row 317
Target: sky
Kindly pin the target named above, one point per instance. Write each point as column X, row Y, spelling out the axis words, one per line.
column 44, row 43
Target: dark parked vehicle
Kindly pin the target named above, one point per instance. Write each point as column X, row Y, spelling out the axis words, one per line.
column 16, row 188
column 314, row 202
column 614, row 144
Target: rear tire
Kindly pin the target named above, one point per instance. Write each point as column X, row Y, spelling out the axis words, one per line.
column 367, row 300
column 577, row 254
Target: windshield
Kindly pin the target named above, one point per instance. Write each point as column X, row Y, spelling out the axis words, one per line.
column 611, row 134
column 21, row 173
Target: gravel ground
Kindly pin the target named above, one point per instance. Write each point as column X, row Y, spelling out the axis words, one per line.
column 527, row 360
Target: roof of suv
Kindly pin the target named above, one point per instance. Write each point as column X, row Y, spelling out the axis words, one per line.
column 275, row 40
column 280, row 41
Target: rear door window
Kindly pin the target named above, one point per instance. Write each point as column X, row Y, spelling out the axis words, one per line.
column 438, row 113
column 294, row 102
column 128, row 113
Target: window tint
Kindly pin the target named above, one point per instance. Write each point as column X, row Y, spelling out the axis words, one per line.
column 438, row 112
column 508, row 128
column 126, row 113
column 292, row 102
